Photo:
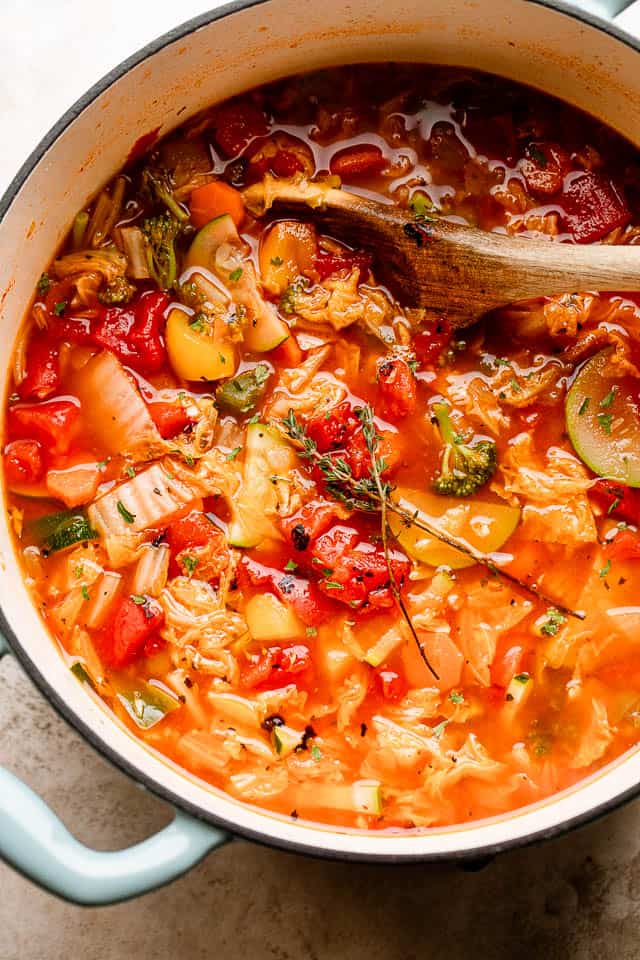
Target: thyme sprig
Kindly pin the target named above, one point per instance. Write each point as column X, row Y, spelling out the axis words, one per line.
column 383, row 489
column 369, row 497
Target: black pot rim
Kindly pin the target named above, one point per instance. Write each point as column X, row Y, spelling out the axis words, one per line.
column 478, row 855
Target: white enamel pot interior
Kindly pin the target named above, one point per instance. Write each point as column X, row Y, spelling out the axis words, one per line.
column 236, row 47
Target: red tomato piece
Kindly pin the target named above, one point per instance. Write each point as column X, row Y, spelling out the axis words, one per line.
column 43, row 376
column 624, row 546
column 134, row 333
column 620, row 501
column 328, row 264
column 54, row 423
column 430, row 343
column 189, row 537
column 193, row 530
column 390, row 684
column 357, row 161
column 544, row 167
column 169, row 418
column 23, row 462
column 288, row 354
column 593, row 207
column 355, row 572
column 297, row 592
column 286, row 164
column 359, row 459
column 236, row 124
column 133, row 626
column 307, row 523
column 333, row 429
column 396, row 388
column 276, row 667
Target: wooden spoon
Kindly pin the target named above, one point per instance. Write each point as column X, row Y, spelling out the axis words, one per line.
column 450, row 269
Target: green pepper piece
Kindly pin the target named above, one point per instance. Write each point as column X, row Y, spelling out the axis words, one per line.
column 242, row 393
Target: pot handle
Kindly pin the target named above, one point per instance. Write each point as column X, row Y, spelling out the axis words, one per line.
column 620, row 11
column 38, row 845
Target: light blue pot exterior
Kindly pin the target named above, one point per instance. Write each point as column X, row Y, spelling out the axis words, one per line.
column 33, row 839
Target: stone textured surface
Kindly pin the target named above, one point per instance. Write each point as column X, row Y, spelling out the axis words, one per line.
column 577, row 898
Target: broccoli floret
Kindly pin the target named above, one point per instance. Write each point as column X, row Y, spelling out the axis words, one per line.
column 160, row 233
column 159, row 185
column 465, row 467
column 117, row 291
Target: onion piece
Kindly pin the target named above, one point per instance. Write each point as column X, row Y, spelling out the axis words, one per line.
column 113, row 410
column 152, row 570
column 20, row 355
column 135, row 250
column 104, row 593
column 65, row 613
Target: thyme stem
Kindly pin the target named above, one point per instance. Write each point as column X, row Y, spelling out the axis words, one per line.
column 372, row 495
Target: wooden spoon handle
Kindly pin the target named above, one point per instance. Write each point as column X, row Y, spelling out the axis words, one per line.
column 449, row 268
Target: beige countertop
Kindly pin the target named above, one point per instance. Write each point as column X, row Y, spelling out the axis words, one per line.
column 577, row 897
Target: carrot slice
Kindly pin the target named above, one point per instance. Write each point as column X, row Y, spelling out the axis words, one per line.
column 213, row 200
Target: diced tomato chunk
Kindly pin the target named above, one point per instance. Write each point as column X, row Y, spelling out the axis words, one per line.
column 276, row 667
column 396, row 388
column 430, row 343
column 593, row 207
column 307, row 523
column 357, row 161
column 619, row 501
column 197, row 546
column 327, row 264
column 359, row 459
column 54, row 423
column 133, row 626
column 297, row 592
column 544, row 167
column 355, row 571
column 23, row 462
column 134, row 333
column 236, row 124
column 288, row 354
column 624, row 546
column 169, row 418
column 332, row 430
column 43, row 377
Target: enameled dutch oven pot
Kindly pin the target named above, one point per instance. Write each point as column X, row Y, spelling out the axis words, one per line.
column 579, row 56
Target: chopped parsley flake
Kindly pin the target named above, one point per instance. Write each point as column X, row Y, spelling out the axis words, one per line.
column 234, row 453
column 43, row 284
column 439, row 729
column 235, row 275
column 311, row 632
column 605, row 570
column 291, row 565
column 614, row 505
column 197, row 326
column 552, row 624
column 610, row 397
column 333, row 585
column 85, row 593
column 190, row 564
column 130, row 472
column 126, row 515
column 138, row 599
column 277, row 261
column 316, row 753
column 60, row 308
column 538, row 156
column 522, row 678
column 605, row 419
column 583, row 406
column 456, row 697
column 255, row 418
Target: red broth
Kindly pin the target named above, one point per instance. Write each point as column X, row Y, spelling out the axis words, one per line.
column 202, row 426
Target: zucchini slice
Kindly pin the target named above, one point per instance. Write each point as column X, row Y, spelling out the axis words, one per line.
column 603, row 421
column 219, row 248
